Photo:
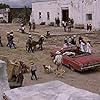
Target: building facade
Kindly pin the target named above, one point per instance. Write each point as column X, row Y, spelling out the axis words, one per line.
column 82, row 11
column 4, row 14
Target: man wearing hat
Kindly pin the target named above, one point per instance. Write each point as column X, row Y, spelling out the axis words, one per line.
column 48, row 34
column 1, row 42
column 20, row 78
column 33, row 71
column 69, row 26
column 58, row 59
column 30, row 36
column 11, row 41
column 29, row 43
column 41, row 42
column 8, row 39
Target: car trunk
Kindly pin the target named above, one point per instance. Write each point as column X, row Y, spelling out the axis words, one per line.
column 87, row 59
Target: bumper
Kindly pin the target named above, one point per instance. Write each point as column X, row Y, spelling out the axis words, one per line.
column 90, row 67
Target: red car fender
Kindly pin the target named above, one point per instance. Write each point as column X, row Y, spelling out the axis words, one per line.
column 70, row 61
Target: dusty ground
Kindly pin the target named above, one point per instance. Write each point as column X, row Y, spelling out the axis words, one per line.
column 89, row 80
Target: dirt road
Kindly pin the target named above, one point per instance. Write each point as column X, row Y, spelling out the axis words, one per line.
column 89, row 80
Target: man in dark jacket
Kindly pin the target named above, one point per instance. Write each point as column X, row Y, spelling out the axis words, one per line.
column 29, row 43
column 8, row 39
column 30, row 26
column 41, row 42
column 11, row 41
column 34, row 26
column 33, row 71
column 20, row 78
column 1, row 42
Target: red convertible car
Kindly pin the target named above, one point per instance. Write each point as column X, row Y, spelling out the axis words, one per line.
column 77, row 60
column 81, row 62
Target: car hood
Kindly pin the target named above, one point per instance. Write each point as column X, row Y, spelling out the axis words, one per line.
column 87, row 59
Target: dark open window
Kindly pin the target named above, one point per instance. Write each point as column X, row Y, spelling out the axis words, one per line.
column 88, row 16
column 65, row 14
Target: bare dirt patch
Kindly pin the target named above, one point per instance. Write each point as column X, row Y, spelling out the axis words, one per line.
column 89, row 80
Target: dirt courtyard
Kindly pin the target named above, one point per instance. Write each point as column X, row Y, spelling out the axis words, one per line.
column 89, row 80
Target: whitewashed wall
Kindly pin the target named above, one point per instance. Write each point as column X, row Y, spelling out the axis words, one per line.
column 77, row 11
column 44, row 7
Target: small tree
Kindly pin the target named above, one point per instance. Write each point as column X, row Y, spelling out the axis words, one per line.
column 2, row 6
column 27, row 14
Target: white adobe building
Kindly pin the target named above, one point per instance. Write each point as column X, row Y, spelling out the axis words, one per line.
column 4, row 13
column 82, row 11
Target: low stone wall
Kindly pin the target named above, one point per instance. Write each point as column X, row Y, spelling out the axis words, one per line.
column 3, row 79
column 54, row 90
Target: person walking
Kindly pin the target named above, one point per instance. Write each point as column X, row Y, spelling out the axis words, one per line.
column 30, row 26
column 87, row 27
column 11, row 40
column 34, row 26
column 64, row 25
column 22, row 28
column 33, row 71
column 58, row 59
column 20, row 78
column 29, row 43
column 72, row 22
column 8, row 39
column 41, row 42
column 90, row 27
column 1, row 42
column 69, row 26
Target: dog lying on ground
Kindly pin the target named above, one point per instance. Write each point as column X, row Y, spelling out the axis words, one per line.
column 59, row 73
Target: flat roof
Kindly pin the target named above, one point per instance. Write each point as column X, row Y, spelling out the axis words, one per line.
column 43, row 1
column 54, row 90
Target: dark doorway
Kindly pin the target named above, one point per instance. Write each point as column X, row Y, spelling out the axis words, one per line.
column 65, row 14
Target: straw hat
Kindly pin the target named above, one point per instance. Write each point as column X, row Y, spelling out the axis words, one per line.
column 58, row 52
column 11, row 34
column 29, row 33
column 30, row 36
column 8, row 32
column 41, row 36
column 11, row 31
column 74, row 36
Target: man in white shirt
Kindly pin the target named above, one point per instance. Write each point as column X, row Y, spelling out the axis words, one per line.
column 58, row 59
column 82, row 46
column 88, row 47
